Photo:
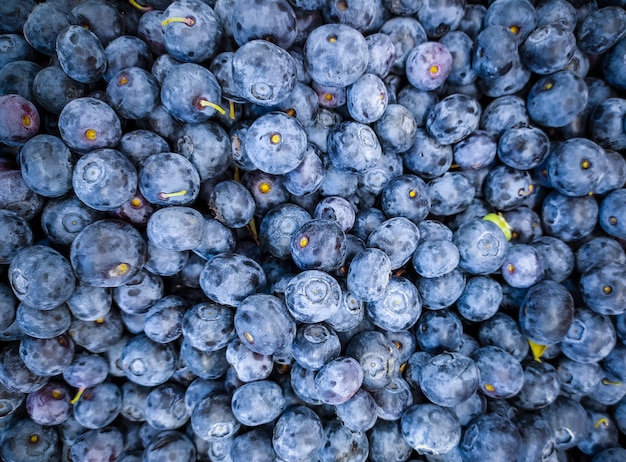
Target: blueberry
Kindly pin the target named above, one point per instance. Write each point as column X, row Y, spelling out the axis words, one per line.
column 482, row 246
column 377, row 358
column 576, row 167
column 20, row 120
column 406, row 196
column 33, row 283
column 88, row 123
column 123, row 245
column 315, row 345
column 450, row 193
column 263, row 323
column 427, row 158
column 197, row 100
column 541, row 387
column 439, row 331
column 522, row 266
column 480, row 299
column 397, row 237
column 399, row 308
column 367, row 99
column 381, row 54
column 293, row 425
column 430, row 429
column 503, row 331
column 42, row 324
column 495, row 51
column 502, row 113
column 491, row 436
column 448, row 379
column 276, row 143
column 81, row 54
column 546, row 313
column 191, row 31
column 274, row 21
column 569, row 218
column 338, row 380
column 525, row 226
column 212, row 418
column 359, row 412
column 368, row 274
column 167, row 178
column 254, row 445
column 22, row 445
column 601, row 29
column 387, row 442
column 319, row 244
column 501, row 374
column 104, row 179
column 148, row 363
column 523, row 148
column 170, row 444
column 612, row 214
column 601, row 287
column 353, row 147
column 611, row 68
column 50, row 405
column 339, row 440
column 546, row 99
column 263, row 73
column 228, row 278
column 15, row 48
column 568, row 420
column 99, row 335
column 453, row 118
column 128, row 51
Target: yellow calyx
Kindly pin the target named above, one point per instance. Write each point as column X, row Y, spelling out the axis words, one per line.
column 265, row 187
column 412, row 193
column 34, row 438
column 135, row 202
column 26, row 121
column 434, row 69
column 291, row 112
column 123, row 80
column 510, row 268
column 501, row 222
column 91, row 134
column 607, row 289
column 328, row 97
column 304, row 241
column 613, row 220
column 248, row 336
column 332, row 38
column 537, row 350
column 490, row 388
column 548, row 86
column 189, row 21
column 275, row 138
column 119, row 270
column 57, row 394
column 585, row 164
column 515, row 29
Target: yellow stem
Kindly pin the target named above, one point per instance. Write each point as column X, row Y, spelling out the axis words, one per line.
column 140, row 7
column 205, row 103
column 81, row 390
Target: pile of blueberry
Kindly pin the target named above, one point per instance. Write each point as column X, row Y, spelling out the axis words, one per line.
column 312, row 230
